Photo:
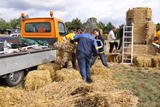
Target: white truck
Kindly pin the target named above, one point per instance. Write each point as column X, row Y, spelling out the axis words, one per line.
column 14, row 66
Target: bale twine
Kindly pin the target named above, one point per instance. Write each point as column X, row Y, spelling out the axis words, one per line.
column 37, row 78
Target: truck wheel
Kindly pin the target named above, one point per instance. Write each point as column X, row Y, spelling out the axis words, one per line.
column 14, row 78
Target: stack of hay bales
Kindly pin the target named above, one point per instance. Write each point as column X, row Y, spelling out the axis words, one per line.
column 144, row 29
column 139, row 49
column 37, row 79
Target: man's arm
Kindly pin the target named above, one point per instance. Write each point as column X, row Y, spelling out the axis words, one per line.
column 74, row 38
column 95, row 45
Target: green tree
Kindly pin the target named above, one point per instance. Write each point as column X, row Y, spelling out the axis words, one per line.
column 16, row 22
column 4, row 25
column 92, row 23
column 101, row 25
column 108, row 27
column 75, row 24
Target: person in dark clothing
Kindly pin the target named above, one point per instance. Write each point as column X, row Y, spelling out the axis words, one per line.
column 101, row 44
column 120, row 37
column 87, row 46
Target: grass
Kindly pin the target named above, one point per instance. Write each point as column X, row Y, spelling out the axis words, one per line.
column 143, row 82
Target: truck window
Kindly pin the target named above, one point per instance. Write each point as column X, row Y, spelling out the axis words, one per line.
column 62, row 29
column 38, row 27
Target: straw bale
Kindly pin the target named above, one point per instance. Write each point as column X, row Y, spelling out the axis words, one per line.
column 156, row 61
column 66, row 74
column 139, row 49
column 151, row 31
column 114, row 58
column 143, row 60
column 37, row 78
column 139, row 17
column 51, row 67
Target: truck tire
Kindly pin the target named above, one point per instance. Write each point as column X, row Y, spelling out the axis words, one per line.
column 14, row 78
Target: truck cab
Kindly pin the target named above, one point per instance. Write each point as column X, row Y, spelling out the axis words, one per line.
column 48, row 29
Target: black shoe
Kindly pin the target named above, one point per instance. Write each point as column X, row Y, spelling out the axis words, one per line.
column 89, row 81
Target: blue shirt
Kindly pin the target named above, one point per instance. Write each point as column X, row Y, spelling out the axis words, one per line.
column 86, row 44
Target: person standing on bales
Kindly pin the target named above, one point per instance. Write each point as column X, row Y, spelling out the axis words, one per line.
column 86, row 48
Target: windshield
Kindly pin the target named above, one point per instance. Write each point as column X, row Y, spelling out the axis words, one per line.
column 38, row 27
column 62, row 29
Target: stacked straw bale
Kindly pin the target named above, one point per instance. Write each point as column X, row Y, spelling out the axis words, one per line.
column 144, row 29
column 151, row 31
column 139, row 49
column 37, row 78
column 140, row 17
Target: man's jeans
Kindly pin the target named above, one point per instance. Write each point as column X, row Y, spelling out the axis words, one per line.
column 84, row 66
column 102, row 57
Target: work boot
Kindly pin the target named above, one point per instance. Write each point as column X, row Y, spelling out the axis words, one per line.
column 89, row 80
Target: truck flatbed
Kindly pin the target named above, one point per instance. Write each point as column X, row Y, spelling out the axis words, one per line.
column 18, row 61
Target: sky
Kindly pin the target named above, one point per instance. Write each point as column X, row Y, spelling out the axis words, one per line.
column 104, row 10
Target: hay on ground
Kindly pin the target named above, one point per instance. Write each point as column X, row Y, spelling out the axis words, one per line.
column 37, row 78
column 78, row 93
column 11, row 97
